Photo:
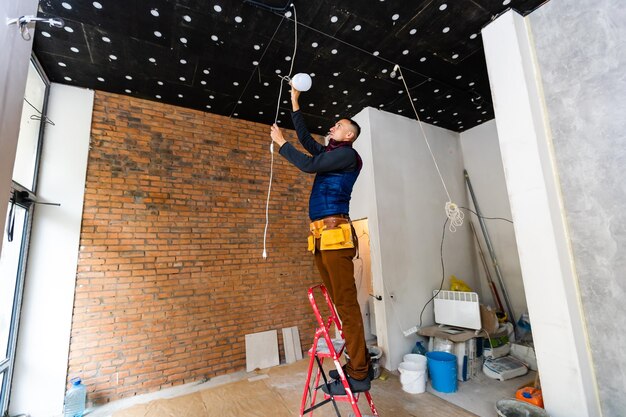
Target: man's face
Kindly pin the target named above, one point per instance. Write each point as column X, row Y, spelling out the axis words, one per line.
column 342, row 131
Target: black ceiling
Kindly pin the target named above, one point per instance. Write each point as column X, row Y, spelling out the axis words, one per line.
column 223, row 56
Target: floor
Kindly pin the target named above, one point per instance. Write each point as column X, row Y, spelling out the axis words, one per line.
column 277, row 392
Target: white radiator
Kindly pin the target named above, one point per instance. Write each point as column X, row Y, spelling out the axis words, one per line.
column 457, row 308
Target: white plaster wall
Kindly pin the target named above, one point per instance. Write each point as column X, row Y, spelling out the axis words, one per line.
column 402, row 195
column 483, row 162
column 550, row 281
column 14, row 58
column 44, row 334
column 581, row 52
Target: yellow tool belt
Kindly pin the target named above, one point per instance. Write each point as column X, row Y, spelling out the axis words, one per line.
column 333, row 232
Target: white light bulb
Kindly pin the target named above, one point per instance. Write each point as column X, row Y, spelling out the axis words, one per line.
column 301, row 81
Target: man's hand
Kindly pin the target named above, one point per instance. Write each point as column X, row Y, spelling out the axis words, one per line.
column 295, row 95
column 277, row 135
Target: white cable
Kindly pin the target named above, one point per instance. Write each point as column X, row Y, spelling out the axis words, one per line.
column 452, row 210
column 280, row 93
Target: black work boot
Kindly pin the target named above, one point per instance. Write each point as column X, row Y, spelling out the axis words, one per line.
column 356, row 385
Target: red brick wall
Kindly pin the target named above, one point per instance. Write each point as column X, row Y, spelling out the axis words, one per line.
column 170, row 274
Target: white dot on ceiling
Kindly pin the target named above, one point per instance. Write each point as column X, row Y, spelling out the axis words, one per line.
column 405, row 52
column 157, row 34
column 266, row 84
column 458, row 77
column 68, row 29
column 62, row 64
column 257, row 97
column 439, row 111
column 412, row 31
column 74, row 49
column 235, row 114
column 473, row 36
column 455, row 114
column 235, row 83
column 255, row 63
column 369, row 93
column 97, row 5
column 349, row 105
column 105, row 39
column 203, row 82
column 336, row 115
column 287, row 58
column 384, row 71
column 277, row 71
column 180, row 96
column 415, row 99
column 187, row 18
column 336, row 74
column 217, row 8
column 67, row 78
column 446, row 29
column 362, row 80
column 400, row 111
column 214, row 38
column 46, row 34
column 113, row 57
column 395, row 17
column 455, row 56
column 183, row 61
column 211, row 97
column 505, row 2
column 471, row 84
column 422, row 59
column 345, row 91
column 288, row 15
column 128, row 91
column 101, row 79
column 182, row 78
column 331, row 86
column 66, row 5
column 284, row 101
column 183, row 40
column 436, row 90
column 479, row 120
column 443, row 7
column 128, row 77
column 400, row 91
column 311, row 105
column 484, row 112
column 160, row 82
column 334, row 103
column 154, row 12
column 357, row 27
column 334, row 51
column 239, row 102
column 257, row 47
column 238, row 19
column 158, row 96
column 314, row 44
column 260, row 112
column 334, row 19
column 208, row 106
column 449, row 95
column 206, row 71
column 375, row 53
column 323, row 111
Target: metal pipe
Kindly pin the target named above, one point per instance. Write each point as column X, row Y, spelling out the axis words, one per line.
column 494, row 260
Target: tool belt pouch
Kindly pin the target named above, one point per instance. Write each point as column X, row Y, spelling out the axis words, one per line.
column 337, row 238
column 311, row 244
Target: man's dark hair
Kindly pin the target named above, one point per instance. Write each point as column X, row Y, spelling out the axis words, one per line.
column 356, row 127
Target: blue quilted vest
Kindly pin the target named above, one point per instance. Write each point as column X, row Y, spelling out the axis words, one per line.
column 331, row 193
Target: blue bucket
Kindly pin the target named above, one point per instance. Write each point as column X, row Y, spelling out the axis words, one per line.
column 442, row 370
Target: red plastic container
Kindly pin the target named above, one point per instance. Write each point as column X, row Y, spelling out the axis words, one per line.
column 530, row 395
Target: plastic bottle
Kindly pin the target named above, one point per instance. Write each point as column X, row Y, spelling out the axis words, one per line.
column 419, row 349
column 75, row 398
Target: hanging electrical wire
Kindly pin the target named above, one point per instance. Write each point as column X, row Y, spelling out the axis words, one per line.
column 280, row 92
column 453, row 211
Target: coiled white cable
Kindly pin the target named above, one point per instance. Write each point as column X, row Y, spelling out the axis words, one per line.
column 280, row 93
column 452, row 210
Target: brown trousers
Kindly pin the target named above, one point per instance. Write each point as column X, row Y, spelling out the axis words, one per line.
column 337, row 271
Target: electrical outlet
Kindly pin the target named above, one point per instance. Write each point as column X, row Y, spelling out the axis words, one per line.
column 410, row 331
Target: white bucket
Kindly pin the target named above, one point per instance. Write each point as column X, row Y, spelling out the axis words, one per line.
column 413, row 375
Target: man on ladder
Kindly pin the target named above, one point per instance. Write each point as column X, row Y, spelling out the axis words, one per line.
column 332, row 239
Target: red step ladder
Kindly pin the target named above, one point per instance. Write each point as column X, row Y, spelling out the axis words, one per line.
column 333, row 351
